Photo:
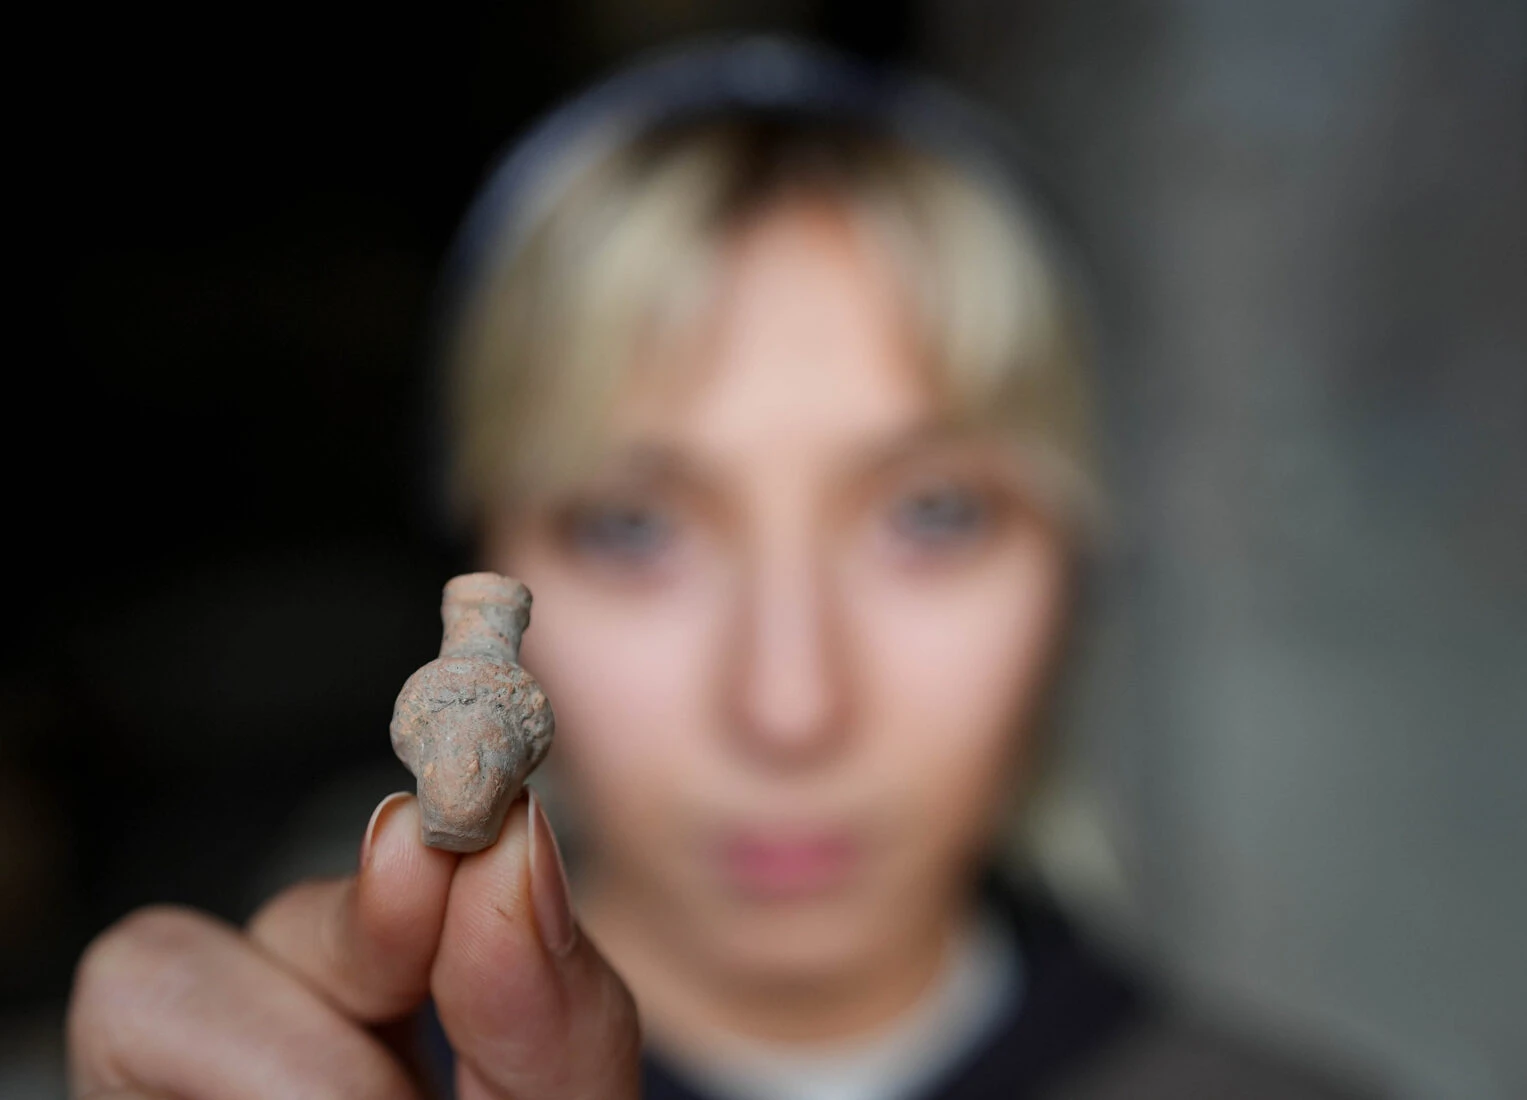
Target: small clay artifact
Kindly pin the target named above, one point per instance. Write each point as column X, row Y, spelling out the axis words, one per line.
column 472, row 724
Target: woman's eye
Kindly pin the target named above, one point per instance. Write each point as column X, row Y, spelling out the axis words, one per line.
column 940, row 515
column 632, row 533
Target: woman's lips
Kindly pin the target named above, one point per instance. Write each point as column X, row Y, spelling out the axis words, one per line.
column 779, row 865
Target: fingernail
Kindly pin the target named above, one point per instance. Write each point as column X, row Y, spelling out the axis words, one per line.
column 548, row 885
column 379, row 816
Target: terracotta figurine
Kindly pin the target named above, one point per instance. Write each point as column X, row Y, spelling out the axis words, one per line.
column 472, row 724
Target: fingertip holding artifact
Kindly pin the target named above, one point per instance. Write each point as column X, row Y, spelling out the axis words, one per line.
column 472, row 724
column 379, row 817
column 550, row 896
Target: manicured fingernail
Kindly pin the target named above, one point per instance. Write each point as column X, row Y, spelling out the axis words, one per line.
column 378, row 820
column 548, row 885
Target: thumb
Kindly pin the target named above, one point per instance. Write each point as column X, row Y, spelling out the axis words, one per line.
column 530, row 1006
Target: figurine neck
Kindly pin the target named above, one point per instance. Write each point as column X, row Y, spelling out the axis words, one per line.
column 485, row 616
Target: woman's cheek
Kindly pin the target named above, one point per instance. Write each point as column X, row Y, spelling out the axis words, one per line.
column 623, row 676
column 958, row 660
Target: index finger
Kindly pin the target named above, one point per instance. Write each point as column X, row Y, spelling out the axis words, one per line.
column 530, row 1006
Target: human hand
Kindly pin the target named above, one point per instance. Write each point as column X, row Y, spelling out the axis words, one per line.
column 174, row 1003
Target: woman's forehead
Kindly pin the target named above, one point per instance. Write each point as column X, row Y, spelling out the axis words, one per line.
column 807, row 344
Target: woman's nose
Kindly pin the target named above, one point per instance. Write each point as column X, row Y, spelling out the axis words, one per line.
column 788, row 694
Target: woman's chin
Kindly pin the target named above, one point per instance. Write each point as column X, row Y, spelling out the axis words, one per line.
column 798, row 942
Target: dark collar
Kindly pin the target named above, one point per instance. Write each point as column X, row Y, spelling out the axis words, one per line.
column 1075, row 1001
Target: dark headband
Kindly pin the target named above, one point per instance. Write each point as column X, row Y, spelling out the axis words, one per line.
column 750, row 75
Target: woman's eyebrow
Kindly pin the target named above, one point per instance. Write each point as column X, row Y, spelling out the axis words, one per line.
column 654, row 461
column 661, row 462
column 936, row 438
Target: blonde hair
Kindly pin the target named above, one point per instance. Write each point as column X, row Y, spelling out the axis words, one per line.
column 616, row 246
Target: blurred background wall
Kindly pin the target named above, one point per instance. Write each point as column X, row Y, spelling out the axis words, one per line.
column 1311, row 694
column 1302, row 712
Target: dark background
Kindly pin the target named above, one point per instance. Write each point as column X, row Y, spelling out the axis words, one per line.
column 227, row 561
column 1304, row 711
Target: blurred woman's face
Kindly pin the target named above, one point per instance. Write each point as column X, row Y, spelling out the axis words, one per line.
column 792, row 629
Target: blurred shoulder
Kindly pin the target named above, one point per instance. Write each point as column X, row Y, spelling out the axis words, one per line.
column 1162, row 1056
column 1091, row 1028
